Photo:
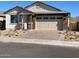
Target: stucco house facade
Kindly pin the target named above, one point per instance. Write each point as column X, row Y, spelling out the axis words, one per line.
column 37, row 16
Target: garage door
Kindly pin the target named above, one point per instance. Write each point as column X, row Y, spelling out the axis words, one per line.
column 46, row 23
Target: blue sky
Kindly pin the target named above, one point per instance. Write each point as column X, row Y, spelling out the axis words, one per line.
column 70, row 6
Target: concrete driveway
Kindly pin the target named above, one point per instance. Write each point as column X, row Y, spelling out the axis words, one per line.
column 38, row 34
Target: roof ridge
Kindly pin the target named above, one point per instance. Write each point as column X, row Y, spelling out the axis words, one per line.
column 21, row 8
column 42, row 3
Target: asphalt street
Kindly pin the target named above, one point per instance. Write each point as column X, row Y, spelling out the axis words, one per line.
column 25, row 50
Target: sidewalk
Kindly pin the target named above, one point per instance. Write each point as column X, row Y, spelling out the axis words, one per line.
column 40, row 41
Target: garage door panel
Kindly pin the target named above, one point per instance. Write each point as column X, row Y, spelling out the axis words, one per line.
column 49, row 23
column 46, row 25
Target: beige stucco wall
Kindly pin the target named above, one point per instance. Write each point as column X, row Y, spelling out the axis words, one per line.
column 8, row 24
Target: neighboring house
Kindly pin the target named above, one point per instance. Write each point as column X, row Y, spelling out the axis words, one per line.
column 37, row 16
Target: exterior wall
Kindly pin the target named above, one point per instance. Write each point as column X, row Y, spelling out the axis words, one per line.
column 1, row 18
column 65, row 23
column 8, row 19
column 8, row 24
column 33, row 23
column 59, row 24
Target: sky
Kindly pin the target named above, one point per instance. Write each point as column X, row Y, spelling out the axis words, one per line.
column 70, row 6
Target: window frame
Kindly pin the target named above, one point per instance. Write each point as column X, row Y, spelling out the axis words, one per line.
column 52, row 17
column 39, row 17
column 15, row 20
column 46, row 17
column 59, row 18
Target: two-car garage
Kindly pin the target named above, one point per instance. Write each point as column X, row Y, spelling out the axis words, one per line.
column 49, row 23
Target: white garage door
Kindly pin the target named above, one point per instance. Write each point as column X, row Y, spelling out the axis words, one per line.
column 47, row 22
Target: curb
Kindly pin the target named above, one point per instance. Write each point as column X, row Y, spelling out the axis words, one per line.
column 40, row 41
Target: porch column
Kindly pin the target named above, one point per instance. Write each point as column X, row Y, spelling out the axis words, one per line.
column 31, row 23
column 18, row 18
column 34, row 20
column 22, row 23
column 68, row 22
column 65, row 23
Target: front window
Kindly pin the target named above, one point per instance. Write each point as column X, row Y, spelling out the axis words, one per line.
column 59, row 17
column 39, row 17
column 14, row 18
column 52, row 17
column 45, row 17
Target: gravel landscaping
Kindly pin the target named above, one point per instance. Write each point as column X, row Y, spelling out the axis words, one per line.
column 69, row 36
column 42, row 34
column 34, row 34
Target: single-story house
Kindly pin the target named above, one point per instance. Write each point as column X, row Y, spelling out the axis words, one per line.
column 37, row 16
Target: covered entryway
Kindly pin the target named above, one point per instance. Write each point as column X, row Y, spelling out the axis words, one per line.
column 49, row 23
column 24, row 21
